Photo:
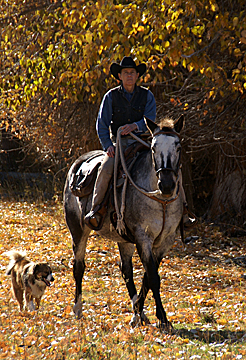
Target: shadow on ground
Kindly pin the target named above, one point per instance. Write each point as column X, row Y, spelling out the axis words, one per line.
column 212, row 336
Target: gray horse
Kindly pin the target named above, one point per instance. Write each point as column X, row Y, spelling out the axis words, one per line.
column 153, row 212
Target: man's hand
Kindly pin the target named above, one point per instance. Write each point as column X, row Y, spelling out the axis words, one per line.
column 110, row 151
column 126, row 129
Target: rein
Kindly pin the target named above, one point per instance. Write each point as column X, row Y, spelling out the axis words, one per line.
column 150, row 194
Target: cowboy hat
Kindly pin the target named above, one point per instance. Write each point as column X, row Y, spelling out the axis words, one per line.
column 127, row 62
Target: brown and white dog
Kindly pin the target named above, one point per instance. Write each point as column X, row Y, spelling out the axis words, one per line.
column 29, row 279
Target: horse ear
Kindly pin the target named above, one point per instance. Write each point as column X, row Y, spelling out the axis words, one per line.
column 151, row 125
column 179, row 124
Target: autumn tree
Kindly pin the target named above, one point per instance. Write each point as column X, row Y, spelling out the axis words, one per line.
column 54, row 71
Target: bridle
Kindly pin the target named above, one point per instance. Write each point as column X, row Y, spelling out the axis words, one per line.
column 176, row 172
column 166, row 169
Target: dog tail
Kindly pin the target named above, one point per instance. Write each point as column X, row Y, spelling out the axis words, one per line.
column 14, row 257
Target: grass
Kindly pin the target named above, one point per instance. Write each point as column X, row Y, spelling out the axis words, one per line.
column 202, row 291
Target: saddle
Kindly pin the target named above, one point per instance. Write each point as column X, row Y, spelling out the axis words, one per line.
column 85, row 172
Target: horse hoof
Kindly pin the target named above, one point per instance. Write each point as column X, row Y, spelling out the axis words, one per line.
column 141, row 320
column 135, row 320
column 144, row 319
column 167, row 328
column 77, row 309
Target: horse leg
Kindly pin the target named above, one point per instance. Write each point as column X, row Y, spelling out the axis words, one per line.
column 144, row 291
column 126, row 253
column 138, row 304
column 79, row 248
column 79, row 234
column 151, row 281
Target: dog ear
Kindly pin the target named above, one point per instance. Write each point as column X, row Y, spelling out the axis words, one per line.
column 31, row 279
column 28, row 275
column 36, row 269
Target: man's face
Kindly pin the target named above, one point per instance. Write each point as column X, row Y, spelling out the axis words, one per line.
column 128, row 77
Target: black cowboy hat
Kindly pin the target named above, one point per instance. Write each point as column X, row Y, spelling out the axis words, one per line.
column 127, row 62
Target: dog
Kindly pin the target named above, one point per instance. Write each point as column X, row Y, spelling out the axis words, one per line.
column 29, row 279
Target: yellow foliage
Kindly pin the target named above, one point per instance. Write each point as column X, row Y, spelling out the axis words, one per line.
column 97, row 33
column 235, row 21
column 168, row 25
column 198, row 30
column 222, row 321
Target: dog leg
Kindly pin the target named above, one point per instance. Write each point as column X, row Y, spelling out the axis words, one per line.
column 37, row 303
column 17, row 289
column 29, row 301
column 31, row 306
column 18, row 294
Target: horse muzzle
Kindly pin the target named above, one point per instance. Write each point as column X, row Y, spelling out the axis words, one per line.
column 167, row 181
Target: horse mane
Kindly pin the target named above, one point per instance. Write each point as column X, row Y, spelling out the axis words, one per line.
column 166, row 124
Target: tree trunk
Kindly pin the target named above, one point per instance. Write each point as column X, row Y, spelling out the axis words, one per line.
column 228, row 205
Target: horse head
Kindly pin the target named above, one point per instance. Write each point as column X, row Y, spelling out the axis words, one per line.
column 166, row 153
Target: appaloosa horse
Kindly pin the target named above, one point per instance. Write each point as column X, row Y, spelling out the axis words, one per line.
column 152, row 218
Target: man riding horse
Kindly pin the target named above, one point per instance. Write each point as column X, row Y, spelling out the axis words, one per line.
column 124, row 106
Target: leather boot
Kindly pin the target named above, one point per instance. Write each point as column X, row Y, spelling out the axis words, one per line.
column 93, row 218
column 190, row 219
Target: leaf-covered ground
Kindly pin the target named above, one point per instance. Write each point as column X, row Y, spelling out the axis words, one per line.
column 202, row 290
